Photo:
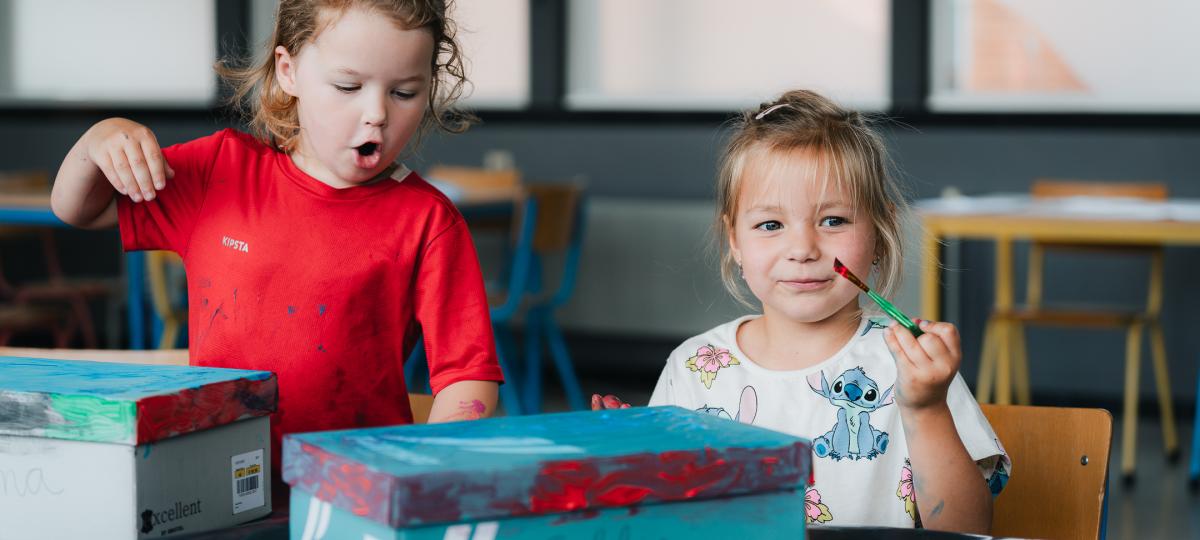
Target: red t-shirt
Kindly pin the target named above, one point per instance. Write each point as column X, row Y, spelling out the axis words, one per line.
column 328, row 288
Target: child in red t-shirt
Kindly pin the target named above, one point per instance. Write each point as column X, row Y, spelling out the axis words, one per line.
column 309, row 251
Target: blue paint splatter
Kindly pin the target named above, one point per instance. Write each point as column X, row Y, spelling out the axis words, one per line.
column 321, row 309
column 291, row 310
column 321, row 348
column 146, row 452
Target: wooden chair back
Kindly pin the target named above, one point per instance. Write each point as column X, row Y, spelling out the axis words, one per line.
column 1060, row 468
column 558, row 209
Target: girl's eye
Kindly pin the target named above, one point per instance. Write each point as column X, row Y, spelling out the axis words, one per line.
column 769, row 226
column 833, row 221
column 404, row 95
column 345, row 89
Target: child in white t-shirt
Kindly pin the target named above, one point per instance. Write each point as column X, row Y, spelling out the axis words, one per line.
column 898, row 440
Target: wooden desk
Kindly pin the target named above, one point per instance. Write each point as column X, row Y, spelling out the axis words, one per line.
column 1152, row 224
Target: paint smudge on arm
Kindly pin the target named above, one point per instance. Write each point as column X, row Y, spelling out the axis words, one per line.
column 469, row 410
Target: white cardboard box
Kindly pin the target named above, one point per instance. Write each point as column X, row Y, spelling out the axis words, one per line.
column 115, row 451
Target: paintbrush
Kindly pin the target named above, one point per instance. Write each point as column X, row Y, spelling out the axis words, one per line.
column 886, row 306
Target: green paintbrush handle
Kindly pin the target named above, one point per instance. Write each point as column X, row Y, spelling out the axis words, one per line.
column 896, row 314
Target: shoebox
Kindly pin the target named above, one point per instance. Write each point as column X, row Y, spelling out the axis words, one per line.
column 110, row 450
column 647, row 472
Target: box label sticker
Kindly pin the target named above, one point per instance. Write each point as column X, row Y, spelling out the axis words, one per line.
column 248, row 490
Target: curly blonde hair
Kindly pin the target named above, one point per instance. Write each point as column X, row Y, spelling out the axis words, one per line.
column 856, row 161
column 271, row 113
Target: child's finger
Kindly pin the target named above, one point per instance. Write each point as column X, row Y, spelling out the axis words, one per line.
column 916, row 354
column 612, row 402
column 104, row 162
column 903, row 362
column 141, row 171
column 120, row 165
column 156, row 163
column 625, row 405
column 948, row 332
column 596, row 402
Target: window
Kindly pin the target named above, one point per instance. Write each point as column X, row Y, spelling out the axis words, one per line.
column 494, row 35
column 721, row 55
column 116, row 51
column 1064, row 56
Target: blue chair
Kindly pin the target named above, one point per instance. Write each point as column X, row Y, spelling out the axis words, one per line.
column 559, row 232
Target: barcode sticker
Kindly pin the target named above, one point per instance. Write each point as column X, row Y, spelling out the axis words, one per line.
column 247, row 472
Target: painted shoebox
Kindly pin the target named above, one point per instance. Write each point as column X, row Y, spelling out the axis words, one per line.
column 109, row 450
column 630, row 473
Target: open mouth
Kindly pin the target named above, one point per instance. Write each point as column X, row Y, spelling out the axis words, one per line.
column 367, row 149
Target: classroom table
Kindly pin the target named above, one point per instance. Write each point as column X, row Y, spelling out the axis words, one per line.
column 1005, row 218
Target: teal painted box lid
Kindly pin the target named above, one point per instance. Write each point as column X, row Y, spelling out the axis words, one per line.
column 125, row 403
column 404, row 476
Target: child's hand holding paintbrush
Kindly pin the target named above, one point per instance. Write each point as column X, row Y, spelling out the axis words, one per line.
column 927, row 356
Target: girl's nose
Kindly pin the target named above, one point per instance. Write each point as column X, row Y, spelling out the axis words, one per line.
column 802, row 245
column 375, row 113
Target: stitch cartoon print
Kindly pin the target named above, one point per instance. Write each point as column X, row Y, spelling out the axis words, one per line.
column 855, row 395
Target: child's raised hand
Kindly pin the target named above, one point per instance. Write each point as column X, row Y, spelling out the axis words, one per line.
column 925, row 366
column 129, row 156
column 607, row 402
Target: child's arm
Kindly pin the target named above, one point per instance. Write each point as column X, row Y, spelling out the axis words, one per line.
column 951, row 493
column 464, row 400
column 115, row 154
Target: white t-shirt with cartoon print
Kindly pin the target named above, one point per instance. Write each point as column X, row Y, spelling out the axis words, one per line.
column 844, row 405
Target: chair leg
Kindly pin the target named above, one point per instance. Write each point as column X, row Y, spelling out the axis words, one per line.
column 532, row 393
column 562, row 360
column 86, row 326
column 987, row 363
column 1165, row 403
column 1003, row 363
column 416, row 369
column 1020, row 363
column 170, row 335
column 1133, row 347
column 509, row 394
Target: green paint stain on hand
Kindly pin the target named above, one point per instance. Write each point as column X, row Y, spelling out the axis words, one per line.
column 88, row 418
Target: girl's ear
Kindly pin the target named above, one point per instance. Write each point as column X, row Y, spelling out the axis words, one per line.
column 732, row 239
column 285, row 71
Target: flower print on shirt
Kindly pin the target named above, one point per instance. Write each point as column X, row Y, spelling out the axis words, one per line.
column 906, row 492
column 708, row 360
column 814, row 510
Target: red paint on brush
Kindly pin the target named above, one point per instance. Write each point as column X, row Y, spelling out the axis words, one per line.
column 846, row 273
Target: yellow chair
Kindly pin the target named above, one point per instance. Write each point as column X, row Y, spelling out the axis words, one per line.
column 159, row 265
column 1004, row 352
column 1060, row 468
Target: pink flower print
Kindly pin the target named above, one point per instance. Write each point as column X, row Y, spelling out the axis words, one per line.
column 906, row 492
column 814, row 510
column 708, row 361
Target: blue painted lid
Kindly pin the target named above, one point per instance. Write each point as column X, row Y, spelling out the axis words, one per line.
column 524, row 465
column 125, row 403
